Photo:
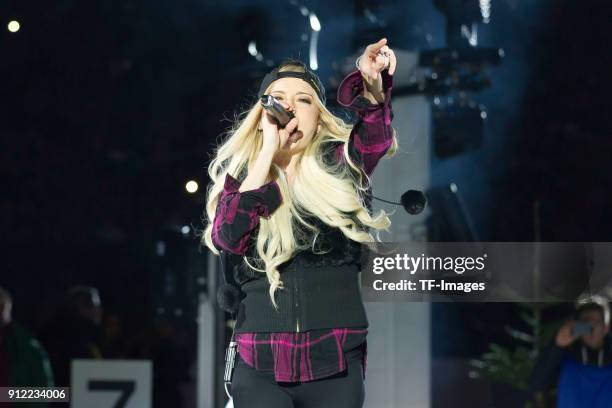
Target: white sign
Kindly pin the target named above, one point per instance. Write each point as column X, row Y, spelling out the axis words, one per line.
column 111, row 384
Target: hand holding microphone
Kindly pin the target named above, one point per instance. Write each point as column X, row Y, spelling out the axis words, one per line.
column 279, row 124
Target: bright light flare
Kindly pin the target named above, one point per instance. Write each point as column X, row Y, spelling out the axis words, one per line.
column 13, row 26
column 191, row 186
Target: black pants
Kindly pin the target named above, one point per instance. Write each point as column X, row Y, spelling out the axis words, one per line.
column 254, row 389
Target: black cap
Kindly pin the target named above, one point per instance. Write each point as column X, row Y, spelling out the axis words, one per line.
column 310, row 77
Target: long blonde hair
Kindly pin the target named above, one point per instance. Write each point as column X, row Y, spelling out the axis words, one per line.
column 330, row 192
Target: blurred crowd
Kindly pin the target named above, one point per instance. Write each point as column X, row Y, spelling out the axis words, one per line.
column 81, row 329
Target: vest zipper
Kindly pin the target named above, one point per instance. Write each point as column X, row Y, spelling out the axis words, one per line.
column 297, row 305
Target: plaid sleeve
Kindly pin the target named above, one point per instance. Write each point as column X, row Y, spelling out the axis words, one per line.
column 238, row 213
column 372, row 134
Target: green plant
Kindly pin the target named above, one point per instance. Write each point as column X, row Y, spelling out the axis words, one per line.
column 513, row 365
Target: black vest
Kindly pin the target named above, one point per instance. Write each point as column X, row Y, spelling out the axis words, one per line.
column 320, row 290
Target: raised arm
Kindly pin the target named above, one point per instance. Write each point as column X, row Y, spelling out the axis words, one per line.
column 238, row 213
column 367, row 91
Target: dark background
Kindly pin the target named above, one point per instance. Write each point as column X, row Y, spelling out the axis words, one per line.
column 108, row 108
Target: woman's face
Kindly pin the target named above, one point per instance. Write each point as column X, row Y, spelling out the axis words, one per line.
column 295, row 94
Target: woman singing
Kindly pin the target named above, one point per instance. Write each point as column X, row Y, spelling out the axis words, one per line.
column 290, row 206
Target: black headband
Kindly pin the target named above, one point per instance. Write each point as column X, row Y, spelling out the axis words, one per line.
column 310, row 77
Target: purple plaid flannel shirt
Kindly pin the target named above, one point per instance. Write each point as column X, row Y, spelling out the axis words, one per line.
column 314, row 354
column 304, row 356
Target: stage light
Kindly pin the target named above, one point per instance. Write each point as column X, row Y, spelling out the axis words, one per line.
column 191, row 186
column 185, row 229
column 14, row 26
column 314, row 61
column 485, row 10
column 253, row 51
column 252, row 48
column 315, row 24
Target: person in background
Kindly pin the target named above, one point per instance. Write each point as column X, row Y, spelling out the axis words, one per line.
column 75, row 332
column 578, row 361
column 23, row 360
column 114, row 343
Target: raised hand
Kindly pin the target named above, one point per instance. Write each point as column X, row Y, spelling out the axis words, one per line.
column 275, row 138
column 565, row 337
column 376, row 58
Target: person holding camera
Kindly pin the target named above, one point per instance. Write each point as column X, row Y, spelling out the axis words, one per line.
column 578, row 361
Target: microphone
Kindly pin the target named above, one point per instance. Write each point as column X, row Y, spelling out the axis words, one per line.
column 413, row 201
column 274, row 108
